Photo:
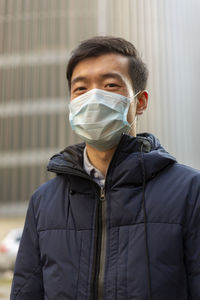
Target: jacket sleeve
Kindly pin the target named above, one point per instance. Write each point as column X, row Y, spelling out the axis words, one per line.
column 192, row 245
column 27, row 281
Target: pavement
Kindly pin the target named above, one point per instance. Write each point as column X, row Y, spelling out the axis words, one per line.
column 7, row 223
column 5, row 285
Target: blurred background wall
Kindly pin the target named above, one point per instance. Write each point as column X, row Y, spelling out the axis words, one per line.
column 36, row 38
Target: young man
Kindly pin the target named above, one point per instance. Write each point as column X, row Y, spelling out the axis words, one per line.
column 122, row 218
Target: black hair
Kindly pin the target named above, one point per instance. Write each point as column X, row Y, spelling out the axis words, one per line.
column 100, row 45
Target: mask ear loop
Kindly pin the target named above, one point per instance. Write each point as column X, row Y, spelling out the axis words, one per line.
column 135, row 115
column 133, row 121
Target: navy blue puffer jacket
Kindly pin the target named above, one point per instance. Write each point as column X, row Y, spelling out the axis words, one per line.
column 139, row 239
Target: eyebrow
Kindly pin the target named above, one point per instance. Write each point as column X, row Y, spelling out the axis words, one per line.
column 112, row 75
column 77, row 79
column 103, row 76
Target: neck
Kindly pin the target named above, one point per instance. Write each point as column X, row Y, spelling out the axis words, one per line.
column 100, row 159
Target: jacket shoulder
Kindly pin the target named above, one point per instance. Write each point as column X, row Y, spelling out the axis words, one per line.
column 187, row 168
column 48, row 202
column 49, row 185
column 186, row 171
column 189, row 183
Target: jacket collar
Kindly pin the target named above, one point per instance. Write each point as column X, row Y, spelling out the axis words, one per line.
column 129, row 152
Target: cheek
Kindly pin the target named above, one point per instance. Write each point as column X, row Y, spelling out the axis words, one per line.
column 129, row 89
column 72, row 97
column 131, row 112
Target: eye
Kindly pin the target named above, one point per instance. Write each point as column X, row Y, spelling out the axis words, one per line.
column 112, row 85
column 79, row 90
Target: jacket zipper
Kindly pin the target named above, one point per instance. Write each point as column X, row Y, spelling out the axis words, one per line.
column 103, row 245
column 100, row 240
column 100, row 233
column 99, row 249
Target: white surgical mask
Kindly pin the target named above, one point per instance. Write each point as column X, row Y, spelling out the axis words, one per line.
column 99, row 118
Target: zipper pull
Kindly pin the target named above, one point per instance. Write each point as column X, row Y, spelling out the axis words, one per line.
column 102, row 194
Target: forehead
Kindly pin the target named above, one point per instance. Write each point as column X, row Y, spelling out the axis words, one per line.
column 106, row 63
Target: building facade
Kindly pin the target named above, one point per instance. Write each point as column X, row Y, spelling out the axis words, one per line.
column 36, row 38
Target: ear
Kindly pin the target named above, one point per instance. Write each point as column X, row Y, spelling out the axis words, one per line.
column 142, row 101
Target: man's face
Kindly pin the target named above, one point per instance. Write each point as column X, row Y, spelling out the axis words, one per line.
column 108, row 72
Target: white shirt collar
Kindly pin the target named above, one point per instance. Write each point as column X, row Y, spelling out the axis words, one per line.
column 96, row 174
